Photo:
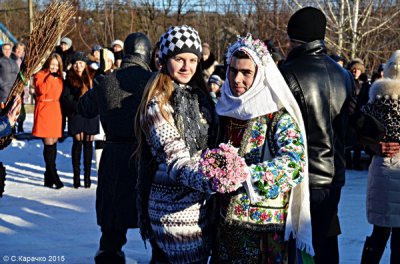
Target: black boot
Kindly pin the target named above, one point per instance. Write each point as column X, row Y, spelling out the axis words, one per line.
column 87, row 162
column 105, row 257
column 372, row 251
column 76, row 161
column 53, row 168
column 48, row 181
column 51, row 176
column 395, row 246
column 2, row 178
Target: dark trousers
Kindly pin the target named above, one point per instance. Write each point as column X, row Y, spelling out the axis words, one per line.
column 112, row 240
column 375, row 245
column 325, row 225
column 354, row 162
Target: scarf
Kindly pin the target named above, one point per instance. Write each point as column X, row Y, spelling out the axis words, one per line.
column 268, row 93
column 187, row 114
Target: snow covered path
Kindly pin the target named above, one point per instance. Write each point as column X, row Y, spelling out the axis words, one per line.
column 59, row 226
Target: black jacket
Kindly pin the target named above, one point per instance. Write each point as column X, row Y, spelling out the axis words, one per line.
column 322, row 89
column 76, row 122
column 116, row 97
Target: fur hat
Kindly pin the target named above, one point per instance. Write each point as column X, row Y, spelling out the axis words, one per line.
column 392, row 66
column 67, row 41
column 179, row 39
column 117, row 42
column 306, row 25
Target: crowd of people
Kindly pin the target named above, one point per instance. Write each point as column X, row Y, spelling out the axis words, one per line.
column 297, row 123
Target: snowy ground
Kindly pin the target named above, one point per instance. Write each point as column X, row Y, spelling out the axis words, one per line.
column 59, row 226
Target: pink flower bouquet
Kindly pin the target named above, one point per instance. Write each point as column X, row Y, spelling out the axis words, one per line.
column 224, row 168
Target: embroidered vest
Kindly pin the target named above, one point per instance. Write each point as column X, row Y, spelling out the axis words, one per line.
column 258, row 144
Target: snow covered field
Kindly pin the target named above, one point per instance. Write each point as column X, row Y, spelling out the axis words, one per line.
column 59, row 226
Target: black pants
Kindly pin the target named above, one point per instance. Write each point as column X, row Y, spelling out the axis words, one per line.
column 379, row 237
column 112, row 240
column 325, row 225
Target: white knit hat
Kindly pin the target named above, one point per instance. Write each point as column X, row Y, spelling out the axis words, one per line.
column 117, row 42
column 109, row 55
column 67, row 41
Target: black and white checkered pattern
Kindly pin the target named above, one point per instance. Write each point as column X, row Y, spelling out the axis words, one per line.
column 179, row 39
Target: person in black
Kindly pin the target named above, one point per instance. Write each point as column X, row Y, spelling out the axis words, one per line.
column 322, row 89
column 116, row 97
column 362, row 85
column 66, row 51
column 82, row 129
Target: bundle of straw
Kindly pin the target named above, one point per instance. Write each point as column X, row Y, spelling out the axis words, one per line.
column 48, row 26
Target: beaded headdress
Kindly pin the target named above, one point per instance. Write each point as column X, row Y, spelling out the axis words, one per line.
column 255, row 48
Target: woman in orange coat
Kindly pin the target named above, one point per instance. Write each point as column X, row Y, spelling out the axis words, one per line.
column 47, row 118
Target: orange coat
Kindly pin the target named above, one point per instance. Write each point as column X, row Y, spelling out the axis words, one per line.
column 47, row 119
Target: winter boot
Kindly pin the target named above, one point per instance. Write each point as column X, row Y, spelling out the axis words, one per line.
column 53, row 168
column 395, row 246
column 2, row 178
column 48, row 181
column 76, row 162
column 372, row 251
column 87, row 162
column 105, row 257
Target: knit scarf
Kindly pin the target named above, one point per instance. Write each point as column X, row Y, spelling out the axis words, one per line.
column 187, row 116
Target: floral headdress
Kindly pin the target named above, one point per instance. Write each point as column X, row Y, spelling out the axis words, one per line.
column 255, row 48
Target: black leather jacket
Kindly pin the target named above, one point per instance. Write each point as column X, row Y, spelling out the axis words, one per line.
column 322, row 89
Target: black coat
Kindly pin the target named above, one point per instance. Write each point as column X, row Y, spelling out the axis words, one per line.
column 76, row 122
column 322, row 89
column 116, row 97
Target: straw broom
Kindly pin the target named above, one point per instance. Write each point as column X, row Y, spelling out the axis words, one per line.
column 47, row 27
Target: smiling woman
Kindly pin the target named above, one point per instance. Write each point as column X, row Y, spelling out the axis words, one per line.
column 182, row 67
column 176, row 119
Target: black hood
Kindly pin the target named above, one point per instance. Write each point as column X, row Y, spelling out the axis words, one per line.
column 138, row 45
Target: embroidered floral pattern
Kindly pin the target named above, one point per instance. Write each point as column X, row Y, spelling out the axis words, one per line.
column 245, row 248
column 272, row 179
column 283, row 172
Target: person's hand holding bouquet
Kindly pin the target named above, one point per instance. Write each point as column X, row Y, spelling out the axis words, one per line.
column 225, row 169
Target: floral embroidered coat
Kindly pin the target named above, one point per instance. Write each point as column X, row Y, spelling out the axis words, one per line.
column 272, row 178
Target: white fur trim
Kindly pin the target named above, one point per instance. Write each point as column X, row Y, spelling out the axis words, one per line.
column 384, row 87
